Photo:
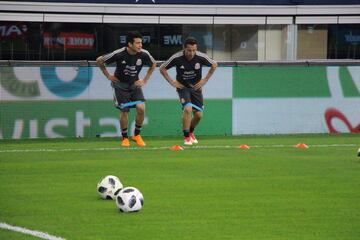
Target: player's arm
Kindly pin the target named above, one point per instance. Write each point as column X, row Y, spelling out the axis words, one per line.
column 142, row 82
column 168, row 78
column 101, row 63
column 203, row 81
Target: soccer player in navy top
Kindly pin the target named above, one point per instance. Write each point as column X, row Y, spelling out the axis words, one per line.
column 127, row 84
column 189, row 83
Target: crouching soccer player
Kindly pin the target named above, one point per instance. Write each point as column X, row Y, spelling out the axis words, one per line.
column 126, row 83
column 189, row 83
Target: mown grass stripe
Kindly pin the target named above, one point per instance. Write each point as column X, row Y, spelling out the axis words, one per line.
column 162, row 148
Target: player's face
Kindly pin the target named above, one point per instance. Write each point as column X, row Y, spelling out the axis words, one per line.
column 136, row 46
column 190, row 51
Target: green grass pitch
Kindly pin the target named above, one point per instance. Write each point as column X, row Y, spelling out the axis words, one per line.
column 214, row 191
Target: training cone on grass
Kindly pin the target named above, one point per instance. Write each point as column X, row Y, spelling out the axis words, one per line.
column 301, row 145
column 244, row 146
column 176, row 148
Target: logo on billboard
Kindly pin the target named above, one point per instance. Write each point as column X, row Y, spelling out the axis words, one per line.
column 343, row 82
column 77, row 80
column 145, row 40
column 69, row 40
column 333, row 113
column 352, row 38
column 173, row 39
column 63, row 88
column 13, row 85
column 13, row 31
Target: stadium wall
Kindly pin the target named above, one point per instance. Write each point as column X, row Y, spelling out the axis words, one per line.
column 75, row 100
column 207, row 2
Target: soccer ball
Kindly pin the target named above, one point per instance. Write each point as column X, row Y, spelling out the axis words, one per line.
column 109, row 186
column 359, row 152
column 129, row 199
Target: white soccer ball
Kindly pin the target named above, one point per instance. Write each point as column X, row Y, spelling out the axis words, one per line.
column 129, row 199
column 109, row 186
column 359, row 152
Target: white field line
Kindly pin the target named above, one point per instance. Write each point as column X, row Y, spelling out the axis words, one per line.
column 29, row 232
column 165, row 148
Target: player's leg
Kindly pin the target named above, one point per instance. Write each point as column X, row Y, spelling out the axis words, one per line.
column 184, row 95
column 197, row 116
column 140, row 116
column 138, row 98
column 124, row 120
column 194, row 122
column 198, row 106
column 121, row 97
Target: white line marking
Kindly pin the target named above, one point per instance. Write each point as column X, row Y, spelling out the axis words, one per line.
column 29, row 232
column 163, row 148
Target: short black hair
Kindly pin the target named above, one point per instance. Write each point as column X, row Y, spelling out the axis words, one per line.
column 132, row 35
column 190, row 41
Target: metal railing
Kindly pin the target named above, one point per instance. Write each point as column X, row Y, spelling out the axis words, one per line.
column 84, row 63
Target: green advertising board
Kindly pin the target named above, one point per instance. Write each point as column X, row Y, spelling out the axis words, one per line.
column 40, row 119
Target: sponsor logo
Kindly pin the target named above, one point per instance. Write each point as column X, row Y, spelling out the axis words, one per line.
column 69, row 40
column 333, row 113
column 145, row 40
column 13, row 85
column 13, row 31
column 60, row 127
column 343, row 82
column 173, row 39
column 64, row 88
column 354, row 39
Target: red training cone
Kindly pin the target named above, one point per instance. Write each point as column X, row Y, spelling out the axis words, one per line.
column 301, row 145
column 244, row 146
column 176, row 148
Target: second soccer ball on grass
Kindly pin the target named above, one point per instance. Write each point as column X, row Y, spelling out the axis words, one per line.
column 109, row 186
column 129, row 199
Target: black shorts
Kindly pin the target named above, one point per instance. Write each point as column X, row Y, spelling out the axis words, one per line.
column 127, row 98
column 194, row 98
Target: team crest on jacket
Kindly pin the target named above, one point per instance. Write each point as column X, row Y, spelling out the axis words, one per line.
column 197, row 66
column 138, row 62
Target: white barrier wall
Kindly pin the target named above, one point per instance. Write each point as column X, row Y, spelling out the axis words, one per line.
column 50, row 101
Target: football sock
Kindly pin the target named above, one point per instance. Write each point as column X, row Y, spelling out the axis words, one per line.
column 137, row 130
column 186, row 132
column 192, row 129
column 124, row 133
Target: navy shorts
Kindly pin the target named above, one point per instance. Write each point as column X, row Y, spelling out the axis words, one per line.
column 128, row 98
column 191, row 97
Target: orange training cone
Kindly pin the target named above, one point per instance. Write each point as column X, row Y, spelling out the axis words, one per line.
column 244, row 146
column 176, row 148
column 301, row 145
